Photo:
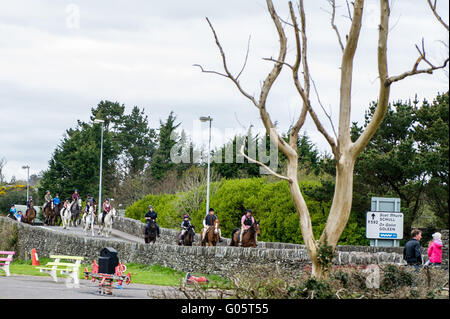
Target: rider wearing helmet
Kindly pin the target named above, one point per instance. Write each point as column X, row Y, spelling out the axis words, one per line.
column 151, row 214
column 13, row 211
column 47, row 199
column 75, row 195
column 185, row 224
column 246, row 221
column 30, row 202
column 106, row 209
column 208, row 221
column 56, row 200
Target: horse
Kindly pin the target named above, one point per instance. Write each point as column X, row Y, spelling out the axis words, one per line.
column 66, row 214
column 150, row 232
column 212, row 235
column 55, row 214
column 248, row 238
column 48, row 213
column 75, row 210
column 88, row 220
column 30, row 215
column 106, row 227
column 188, row 237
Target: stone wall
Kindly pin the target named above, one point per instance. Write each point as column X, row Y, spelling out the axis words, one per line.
column 220, row 260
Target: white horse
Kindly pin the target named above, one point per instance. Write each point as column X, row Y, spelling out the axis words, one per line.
column 66, row 215
column 106, row 228
column 88, row 221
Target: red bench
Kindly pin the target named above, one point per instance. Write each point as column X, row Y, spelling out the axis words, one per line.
column 4, row 261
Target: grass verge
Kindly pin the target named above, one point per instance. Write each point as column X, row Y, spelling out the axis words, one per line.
column 140, row 274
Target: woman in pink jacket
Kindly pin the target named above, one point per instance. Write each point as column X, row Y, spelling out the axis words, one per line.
column 435, row 250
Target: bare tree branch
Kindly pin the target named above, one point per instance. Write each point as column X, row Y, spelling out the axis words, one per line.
column 246, row 57
column 263, row 165
column 433, row 8
column 414, row 70
column 333, row 25
column 225, row 66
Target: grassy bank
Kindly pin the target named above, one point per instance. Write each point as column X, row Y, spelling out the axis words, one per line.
column 140, row 274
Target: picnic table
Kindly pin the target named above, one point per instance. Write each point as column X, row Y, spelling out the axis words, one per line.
column 5, row 261
column 62, row 265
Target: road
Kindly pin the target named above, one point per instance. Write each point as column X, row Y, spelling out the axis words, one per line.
column 78, row 231
column 43, row 287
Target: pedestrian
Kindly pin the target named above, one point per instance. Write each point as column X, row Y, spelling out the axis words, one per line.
column 435, row 250
column 412, row 253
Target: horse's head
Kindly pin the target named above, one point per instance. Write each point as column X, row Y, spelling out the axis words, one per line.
column 256, row 227
column 216, row 226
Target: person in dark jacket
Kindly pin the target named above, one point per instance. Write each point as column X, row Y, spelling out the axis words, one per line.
column 151, row 214
column 412, row 252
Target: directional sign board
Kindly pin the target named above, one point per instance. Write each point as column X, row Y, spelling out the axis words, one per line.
column 384, row 225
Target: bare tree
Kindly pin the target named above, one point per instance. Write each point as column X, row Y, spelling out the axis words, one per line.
column 345, row 151
column 2, row 164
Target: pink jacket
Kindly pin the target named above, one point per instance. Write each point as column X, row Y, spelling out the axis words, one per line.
column 435, row 251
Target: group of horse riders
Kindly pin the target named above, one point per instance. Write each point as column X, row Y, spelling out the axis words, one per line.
column 90, row 202
column 247, row 220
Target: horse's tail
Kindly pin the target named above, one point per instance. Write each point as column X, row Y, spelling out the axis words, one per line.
column 232, row 236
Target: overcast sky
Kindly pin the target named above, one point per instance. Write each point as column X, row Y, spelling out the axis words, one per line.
column 58, row 59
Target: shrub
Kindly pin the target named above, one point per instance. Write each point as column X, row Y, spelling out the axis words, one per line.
column 270, row 202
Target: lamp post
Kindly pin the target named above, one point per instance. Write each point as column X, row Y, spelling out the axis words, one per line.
column 27, row 167
column 205, row 119
column 101, row 168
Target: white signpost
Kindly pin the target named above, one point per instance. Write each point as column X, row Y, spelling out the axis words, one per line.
column 384, row 222
column 384, row 225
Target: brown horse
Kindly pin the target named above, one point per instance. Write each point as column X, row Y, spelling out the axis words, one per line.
column 188, row 237
column 55, row 214
column 150, row 232
column 48, row 212
column 212, row 235
column 248, row 238
column 30, row 215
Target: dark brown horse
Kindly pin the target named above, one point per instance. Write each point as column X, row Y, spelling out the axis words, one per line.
column 30, row 215
column 48, row 212
column 150, row 232
column 188, row 237
column 55, row 214
column 212, row 235
column 249, row 236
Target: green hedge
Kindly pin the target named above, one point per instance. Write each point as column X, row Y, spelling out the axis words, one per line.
column 270, row 202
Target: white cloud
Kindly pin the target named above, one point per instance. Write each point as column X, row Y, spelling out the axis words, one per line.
column 142, row 52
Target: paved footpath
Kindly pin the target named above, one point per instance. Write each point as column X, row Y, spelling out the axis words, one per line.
column 43, row 287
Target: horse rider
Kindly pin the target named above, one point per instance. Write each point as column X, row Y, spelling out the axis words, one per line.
column 185, row 224
column 247, row 221
column 56, row 200
column 106, row 208
column 208, row 221
column 13, row 211
column 151, row 214
column 66, row 203
column 90, row 201
column 47, row 200
column 30, row 202
column 75, row 195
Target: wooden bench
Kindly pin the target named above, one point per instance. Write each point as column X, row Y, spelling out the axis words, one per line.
column 4, row 261
column 70, row 269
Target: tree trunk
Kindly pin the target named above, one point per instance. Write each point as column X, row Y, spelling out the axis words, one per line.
column 305, row 220
column 342, row 202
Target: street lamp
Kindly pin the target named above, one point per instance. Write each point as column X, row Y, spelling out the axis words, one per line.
column 101, row 168
column 27, row 167
column 206, row 119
